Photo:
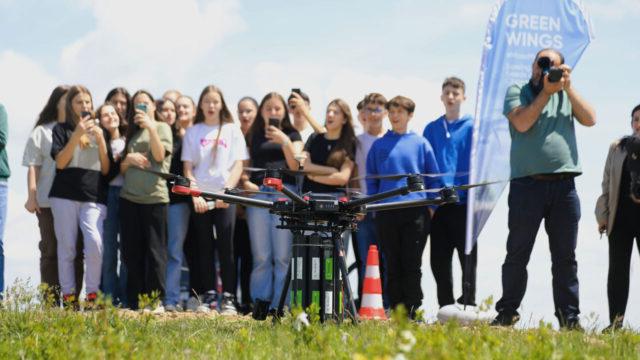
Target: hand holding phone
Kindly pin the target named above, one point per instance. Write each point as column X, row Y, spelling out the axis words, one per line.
column 274, row 122
column 297, row 91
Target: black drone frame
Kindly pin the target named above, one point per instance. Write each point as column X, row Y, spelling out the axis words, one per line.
column 320, row 213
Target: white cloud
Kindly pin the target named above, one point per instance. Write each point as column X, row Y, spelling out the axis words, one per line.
column 150, row 44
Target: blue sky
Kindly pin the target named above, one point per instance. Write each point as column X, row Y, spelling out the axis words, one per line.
column 329, row 49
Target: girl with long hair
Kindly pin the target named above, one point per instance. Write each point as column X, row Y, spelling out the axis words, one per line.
column 330, row 156
column 143, row 200
column 114, row 282
column 79, row 191
column 213, row 154
column 179, row 118
column 40, row 174
column 273, row 144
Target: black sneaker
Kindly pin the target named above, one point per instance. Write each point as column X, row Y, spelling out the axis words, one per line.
column 260, row 310
column 505, row 319
column 571, row 323
column 227, row 305
column 245, row 309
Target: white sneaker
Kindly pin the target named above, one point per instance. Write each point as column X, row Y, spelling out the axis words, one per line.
column 158, row 310
column 203, row 309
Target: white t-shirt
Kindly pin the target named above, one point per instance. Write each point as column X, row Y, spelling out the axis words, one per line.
column 37, row 152
column 365, row 141
column 306, row 133
column 117, row 147
column 211, row 174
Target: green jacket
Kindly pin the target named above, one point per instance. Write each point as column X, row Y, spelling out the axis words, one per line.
column 4, row 137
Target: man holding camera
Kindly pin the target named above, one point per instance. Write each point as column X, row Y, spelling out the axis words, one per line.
column 544, row 161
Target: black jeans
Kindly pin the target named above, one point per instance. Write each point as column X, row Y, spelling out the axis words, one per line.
column 531, row 201
column 448, row 229
column 620, row 249
column 143, row 232
column 204, row 248
column 403, row 236
column 243, row 258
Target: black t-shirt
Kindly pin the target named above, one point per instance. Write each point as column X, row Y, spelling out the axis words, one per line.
column 268, row 155
column 628, row 211
column 176, row 168
column 82, row 179
column 319, row 149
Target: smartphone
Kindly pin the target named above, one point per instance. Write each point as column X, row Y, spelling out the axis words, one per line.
column 142, row 107
column 84, row 114
column 274, row 122
column 297, row 91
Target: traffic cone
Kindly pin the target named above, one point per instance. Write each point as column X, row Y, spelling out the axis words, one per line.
column 371, row 304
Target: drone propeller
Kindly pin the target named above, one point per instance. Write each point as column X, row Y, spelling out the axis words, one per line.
column 400, row 176
column 240, row 192
column 285, row 171
column 460, row 187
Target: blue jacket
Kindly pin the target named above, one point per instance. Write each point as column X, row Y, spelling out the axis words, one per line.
column 399, row 154
column 452, row 146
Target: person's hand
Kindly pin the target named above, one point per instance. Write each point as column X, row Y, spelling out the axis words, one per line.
column 137, row 160
column 566, row 76
column 96, row 131
column 248, row 185
column 276, row 135
column 221, row 204
column 431, row 212
column 143, row 120
column 84, row 125
column 32, row 205
column 551, row 88
column 602, row 228
column 297, row 104
column 200, row 205
column 360, row 217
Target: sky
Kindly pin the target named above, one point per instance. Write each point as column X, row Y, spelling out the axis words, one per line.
column 329, row 49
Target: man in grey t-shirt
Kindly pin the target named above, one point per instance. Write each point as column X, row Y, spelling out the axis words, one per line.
column 544, row 161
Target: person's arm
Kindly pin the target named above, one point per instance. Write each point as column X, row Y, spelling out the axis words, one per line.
column 103, row 152
column 158, row 151
column 338, row 178
column 602, row 204
column 523, row 117
column 4, row 127
column 582, row 111
column 290, row 149
column 316, row 169
column 304, row 111
column 64, row 156
column 32, row 187
column 234, row 175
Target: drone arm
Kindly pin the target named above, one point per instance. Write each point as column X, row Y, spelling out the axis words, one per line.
column 293, row 196
column 232, row 199
column 377, row 197
column 403, row 204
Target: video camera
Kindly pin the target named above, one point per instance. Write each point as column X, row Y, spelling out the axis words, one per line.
column 554, row 73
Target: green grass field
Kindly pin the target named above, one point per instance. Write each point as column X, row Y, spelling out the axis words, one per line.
column 27, row 330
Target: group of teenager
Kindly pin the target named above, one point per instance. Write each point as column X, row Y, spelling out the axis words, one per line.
column 94, row 199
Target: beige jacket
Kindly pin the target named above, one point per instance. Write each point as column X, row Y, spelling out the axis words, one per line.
column 607, row 203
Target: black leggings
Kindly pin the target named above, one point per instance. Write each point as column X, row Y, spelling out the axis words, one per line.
column 620, row 249
column 242, row 250
column 202, row 270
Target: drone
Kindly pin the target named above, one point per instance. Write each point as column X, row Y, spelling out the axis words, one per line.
column 317, row 222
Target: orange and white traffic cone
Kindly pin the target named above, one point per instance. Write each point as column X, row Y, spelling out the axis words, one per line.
column 371, row 304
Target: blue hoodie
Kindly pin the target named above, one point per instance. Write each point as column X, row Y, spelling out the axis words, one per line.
column 452, row 146
column 394, row 153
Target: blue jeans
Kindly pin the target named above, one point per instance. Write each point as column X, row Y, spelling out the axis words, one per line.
column 3, row 218
column 113, row 284
column 271, row 250
column 557, row 203
column 177, row 226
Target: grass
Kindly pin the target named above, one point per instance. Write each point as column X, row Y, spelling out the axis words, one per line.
column 29, row 330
